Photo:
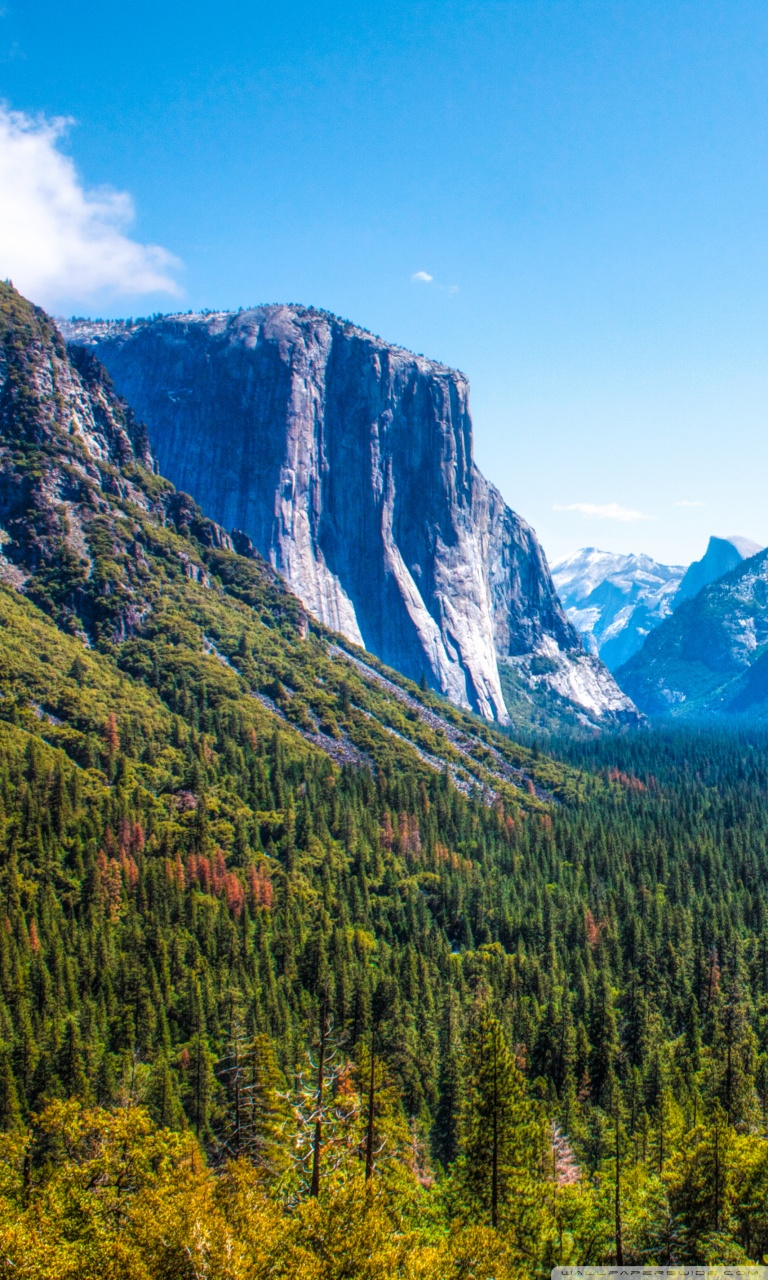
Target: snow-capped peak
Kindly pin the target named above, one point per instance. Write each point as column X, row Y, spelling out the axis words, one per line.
column 615, row 600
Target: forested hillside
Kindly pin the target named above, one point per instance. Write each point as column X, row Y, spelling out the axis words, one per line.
column 304, row 972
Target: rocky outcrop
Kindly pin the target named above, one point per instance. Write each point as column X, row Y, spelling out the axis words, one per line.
column 81, row 502
column 348, row 462
column 69, row 450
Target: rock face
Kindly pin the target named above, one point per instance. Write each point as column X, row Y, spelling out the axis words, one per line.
column 76, row 472
column 721, row 555
column 615, row 600
column 348, row 462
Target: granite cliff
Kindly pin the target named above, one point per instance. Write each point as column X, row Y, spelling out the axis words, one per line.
column 721, row 556
column 348, row 462
column 136, row 638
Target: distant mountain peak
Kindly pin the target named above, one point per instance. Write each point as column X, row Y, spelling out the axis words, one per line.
column 710, row 657
column 745, row 546
column 721, row 556
column 615, row 600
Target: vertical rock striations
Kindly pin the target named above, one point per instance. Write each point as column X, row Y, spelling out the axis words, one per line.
column 348, row 462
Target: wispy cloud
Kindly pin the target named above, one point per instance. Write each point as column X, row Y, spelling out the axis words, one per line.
column 423, row 277
column 58, row 241
column 684, row 502
column 603, row 511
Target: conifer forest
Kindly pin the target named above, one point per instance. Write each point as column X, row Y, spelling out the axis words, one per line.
column 306, row 972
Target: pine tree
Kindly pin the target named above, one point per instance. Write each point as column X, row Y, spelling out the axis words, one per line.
column 604, row 1042
column 10, row 1111
column 380, row 1007
column 71, row 1068
column 199, row 1083
column 267, row 1111
column 321, row 1117
column 500, row 1136
column 162, row 1098
column 700, row 1179
column 445, row 1139
column 734, row 1049
column 618, row 1137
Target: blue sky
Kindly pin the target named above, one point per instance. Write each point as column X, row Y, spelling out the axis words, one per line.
column 585, row 183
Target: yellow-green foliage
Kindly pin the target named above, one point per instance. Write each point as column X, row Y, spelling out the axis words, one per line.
column 106, row 1195
column 88, row 1193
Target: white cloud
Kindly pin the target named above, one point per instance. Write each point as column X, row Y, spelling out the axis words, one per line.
column 422, row 276
column 606, row 511
column 685, row 503
column 59, row 242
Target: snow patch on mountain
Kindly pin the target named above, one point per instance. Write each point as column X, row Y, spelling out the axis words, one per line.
column 615, row 600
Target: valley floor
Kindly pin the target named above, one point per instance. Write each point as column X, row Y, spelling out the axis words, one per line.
column 558, row 1000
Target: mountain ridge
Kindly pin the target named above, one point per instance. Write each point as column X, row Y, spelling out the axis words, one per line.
column 721, row 555
column 134, row 572
column 615, row 600
column 708, row 658
column 348, row 462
